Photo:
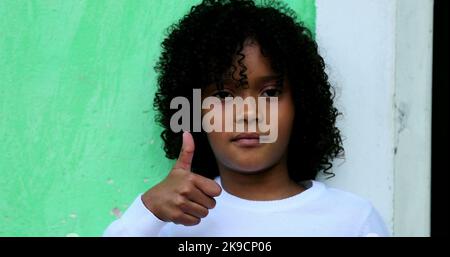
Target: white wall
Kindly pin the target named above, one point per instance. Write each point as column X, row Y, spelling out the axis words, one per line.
column 378, row 54
column 413, row 117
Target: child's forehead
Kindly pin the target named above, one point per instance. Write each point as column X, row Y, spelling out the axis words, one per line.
column 250, row 66
column 251, row 58
column 256, row 79
column 254, row 82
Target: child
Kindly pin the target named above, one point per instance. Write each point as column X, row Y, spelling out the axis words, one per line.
column 229, row 183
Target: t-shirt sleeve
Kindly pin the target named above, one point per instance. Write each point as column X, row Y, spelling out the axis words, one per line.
column 137, row 221
column 374, row 225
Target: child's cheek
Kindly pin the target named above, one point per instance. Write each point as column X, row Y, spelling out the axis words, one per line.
column 286, row 118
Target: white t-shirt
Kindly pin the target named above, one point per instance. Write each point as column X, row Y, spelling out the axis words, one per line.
column 317, row 211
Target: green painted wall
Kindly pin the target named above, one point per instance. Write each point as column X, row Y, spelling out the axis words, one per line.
column 77, row 137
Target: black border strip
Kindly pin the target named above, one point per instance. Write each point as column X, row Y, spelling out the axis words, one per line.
column 440, row 114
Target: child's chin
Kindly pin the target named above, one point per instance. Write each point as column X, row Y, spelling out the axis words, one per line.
column 250, row 168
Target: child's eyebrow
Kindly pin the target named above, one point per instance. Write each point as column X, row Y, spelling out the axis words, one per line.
column 268, row 78
column 259, row 80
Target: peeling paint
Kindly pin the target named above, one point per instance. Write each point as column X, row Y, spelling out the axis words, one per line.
column 400, row 110
column 116, row 212
column 402, row 116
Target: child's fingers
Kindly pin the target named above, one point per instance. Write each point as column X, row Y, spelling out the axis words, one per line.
column 207, row 186
column 199, row 197
column 187, row 152
column 194, row 209
column 187, row 220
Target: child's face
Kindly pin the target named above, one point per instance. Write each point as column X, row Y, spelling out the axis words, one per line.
column 246, row 156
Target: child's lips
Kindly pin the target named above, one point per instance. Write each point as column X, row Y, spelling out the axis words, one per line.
column 246, row 140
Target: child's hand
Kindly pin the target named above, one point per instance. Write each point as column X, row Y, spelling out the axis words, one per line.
column 183, row 197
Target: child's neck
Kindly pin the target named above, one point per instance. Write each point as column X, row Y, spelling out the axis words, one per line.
column 270, row 184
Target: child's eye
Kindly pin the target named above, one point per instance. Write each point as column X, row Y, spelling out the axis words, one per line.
column 272, row 92
column 222, row 94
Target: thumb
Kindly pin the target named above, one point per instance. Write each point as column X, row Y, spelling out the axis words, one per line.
column 187, row 152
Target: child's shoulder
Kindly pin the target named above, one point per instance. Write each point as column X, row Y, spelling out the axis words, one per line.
column 352, row 210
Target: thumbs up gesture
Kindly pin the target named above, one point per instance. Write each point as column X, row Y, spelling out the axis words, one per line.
column 183, row 197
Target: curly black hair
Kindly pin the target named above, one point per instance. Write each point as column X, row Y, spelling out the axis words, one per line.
column 200, row 49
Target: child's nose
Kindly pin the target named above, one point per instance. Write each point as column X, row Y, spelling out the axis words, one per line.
column 248, row 113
